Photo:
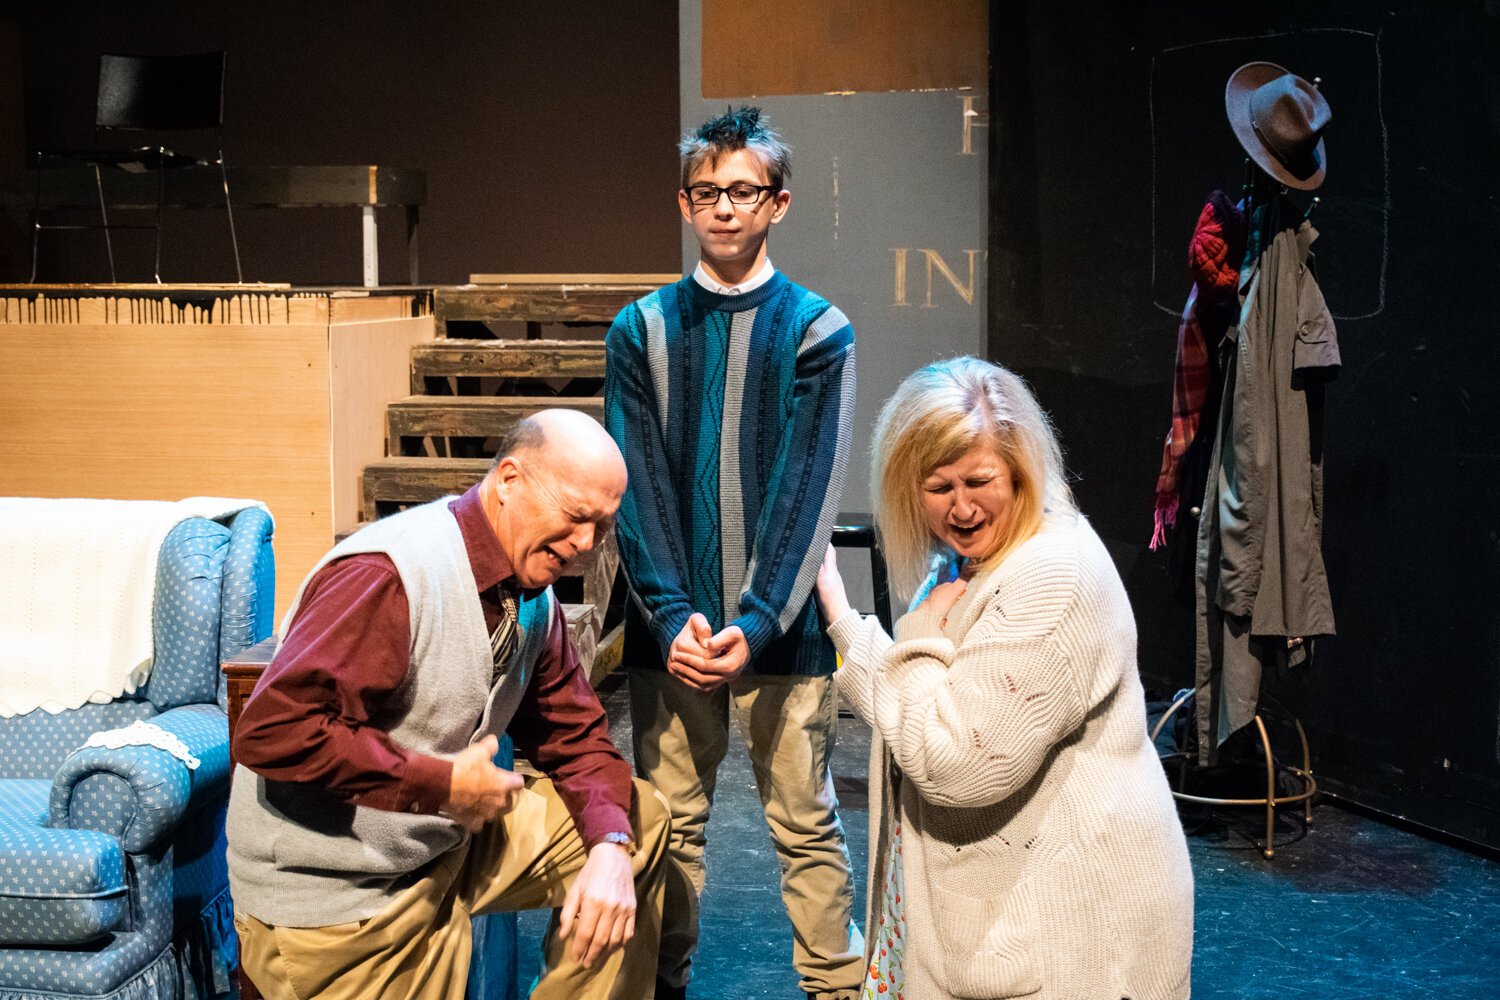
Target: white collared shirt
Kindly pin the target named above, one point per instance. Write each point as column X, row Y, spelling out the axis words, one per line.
column 750, row 284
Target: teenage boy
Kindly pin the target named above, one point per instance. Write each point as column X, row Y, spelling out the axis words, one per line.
column 731, row 394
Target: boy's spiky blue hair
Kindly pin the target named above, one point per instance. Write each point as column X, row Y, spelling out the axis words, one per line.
column 735, row 129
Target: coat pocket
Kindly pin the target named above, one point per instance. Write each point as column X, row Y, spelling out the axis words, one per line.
column 989, row 945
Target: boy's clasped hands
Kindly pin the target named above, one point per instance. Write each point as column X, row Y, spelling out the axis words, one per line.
column 705, row 660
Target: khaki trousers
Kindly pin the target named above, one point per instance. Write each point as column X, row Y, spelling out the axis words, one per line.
column 419, row 945
column 681, row 736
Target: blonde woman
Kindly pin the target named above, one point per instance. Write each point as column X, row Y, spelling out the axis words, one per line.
column 1023, row 839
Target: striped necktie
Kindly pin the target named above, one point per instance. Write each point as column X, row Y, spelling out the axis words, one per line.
column 503, row 639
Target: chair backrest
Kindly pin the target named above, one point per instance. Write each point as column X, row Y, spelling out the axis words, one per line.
column 214, row 590
column 161, row 93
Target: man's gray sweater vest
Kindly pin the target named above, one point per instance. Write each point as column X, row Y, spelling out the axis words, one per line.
column 301, row 858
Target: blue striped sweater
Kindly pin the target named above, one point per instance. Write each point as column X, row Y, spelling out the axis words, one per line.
column 734, row 414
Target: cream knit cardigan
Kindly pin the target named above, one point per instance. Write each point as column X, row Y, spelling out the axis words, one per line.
column 1043, row 856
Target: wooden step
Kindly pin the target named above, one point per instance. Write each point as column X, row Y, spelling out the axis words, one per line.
column 580, row 618
column 609, row 652
column 506, row 359
column 650, row 281
column 396, row 482
column 559, row 302
column 473, row 416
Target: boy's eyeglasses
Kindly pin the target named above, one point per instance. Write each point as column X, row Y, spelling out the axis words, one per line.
column 739, row 194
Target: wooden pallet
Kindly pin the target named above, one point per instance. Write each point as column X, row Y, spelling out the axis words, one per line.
column 415, row 418
column 467, row 391
column 578, row 616
column 609, row 654
column 395, row 483
column 534, row 304
column 570, row 359
column 654, row 280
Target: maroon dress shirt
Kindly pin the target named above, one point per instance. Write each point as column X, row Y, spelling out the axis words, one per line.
column 348, row 649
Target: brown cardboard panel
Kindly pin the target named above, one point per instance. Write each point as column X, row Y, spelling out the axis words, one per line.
column 839, row 46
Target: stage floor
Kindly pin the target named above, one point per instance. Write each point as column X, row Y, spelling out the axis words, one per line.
column 1355, row 909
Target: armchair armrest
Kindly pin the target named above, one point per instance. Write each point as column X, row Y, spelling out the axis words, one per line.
column 141, row 793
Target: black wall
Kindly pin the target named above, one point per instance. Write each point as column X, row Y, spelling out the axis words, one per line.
column 547, row 130
column 1109, row 134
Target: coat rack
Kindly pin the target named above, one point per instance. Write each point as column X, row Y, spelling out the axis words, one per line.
column 1257, row 191
column 1271, row 800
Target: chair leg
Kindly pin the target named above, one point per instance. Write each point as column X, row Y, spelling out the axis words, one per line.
column 880, row 583
column 36, row 220
column 161, row 180
column 411, row 244
column 234, row 241
column 109, row 247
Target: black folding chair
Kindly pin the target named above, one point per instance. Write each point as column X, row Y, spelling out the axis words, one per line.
column 145, row 93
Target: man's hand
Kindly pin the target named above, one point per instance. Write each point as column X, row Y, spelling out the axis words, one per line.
column 599, row 910
column 705, row 661
column 479, row 791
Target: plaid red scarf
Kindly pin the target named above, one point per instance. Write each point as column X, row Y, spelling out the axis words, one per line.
column 1214, row 255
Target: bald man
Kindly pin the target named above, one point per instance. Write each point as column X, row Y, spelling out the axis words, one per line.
column 368, row 821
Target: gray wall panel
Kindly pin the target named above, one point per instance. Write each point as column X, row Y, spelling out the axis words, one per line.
column 873, row 174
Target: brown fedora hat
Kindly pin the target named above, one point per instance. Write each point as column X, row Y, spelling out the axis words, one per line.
column 1279, row 118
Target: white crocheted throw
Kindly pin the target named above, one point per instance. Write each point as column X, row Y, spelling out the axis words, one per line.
column 77, row 579
column 142, row 733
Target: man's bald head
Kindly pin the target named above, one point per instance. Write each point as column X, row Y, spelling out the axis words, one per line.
column 553, row 491
column 574, row 443
column 559, row 437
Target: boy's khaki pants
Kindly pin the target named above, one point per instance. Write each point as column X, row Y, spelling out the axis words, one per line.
column 680, row 736
column 418, row 946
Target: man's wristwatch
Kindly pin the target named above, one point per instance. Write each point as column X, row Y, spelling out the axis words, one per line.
column 620, row 840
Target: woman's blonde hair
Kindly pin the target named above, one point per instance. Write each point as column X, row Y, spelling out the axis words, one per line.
column 935, row 415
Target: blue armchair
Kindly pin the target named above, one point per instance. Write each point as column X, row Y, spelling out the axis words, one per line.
column 112, row 874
